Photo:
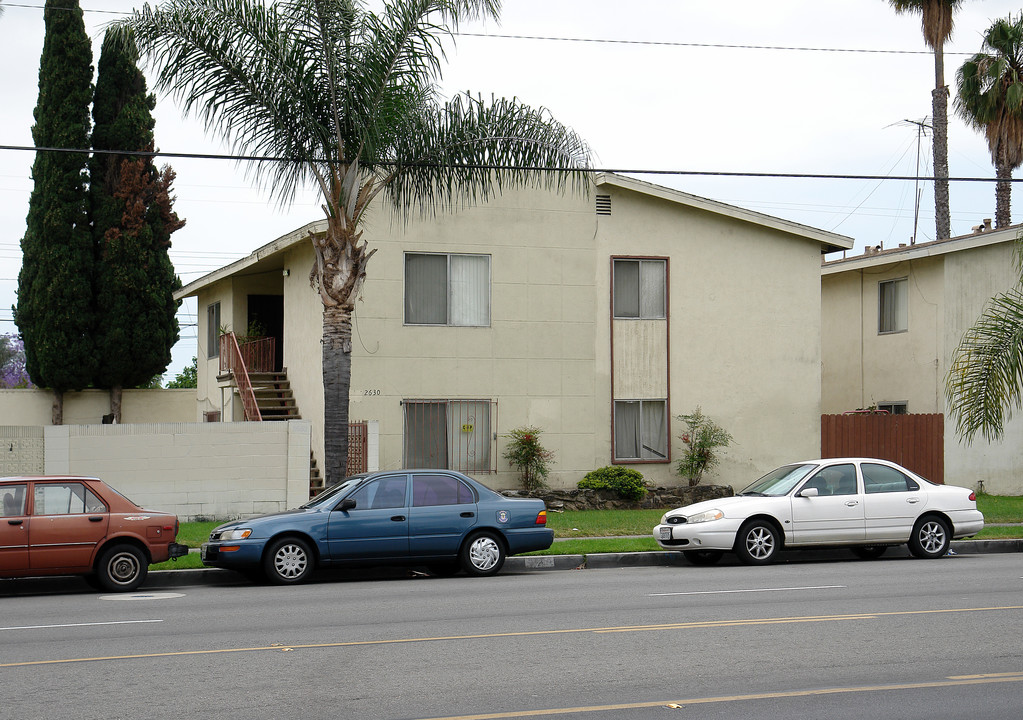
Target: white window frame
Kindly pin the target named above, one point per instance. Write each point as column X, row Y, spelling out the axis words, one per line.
column 892, row 306
column 455, row 316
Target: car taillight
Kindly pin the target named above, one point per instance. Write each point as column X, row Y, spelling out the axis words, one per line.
column 973, row 496
column 541, row 518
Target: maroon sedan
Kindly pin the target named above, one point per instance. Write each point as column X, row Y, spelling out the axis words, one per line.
column 81, row 526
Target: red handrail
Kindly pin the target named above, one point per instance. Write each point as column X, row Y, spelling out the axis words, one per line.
column 231, row 358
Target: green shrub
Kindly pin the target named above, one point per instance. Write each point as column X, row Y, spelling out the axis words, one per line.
column 532, row 459
column 628, row 483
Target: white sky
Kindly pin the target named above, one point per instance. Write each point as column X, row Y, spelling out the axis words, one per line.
column 664, row 100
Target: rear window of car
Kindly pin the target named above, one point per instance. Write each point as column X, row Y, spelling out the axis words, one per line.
column 440, row 490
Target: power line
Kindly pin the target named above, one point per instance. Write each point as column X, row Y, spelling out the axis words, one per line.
column 617, row 171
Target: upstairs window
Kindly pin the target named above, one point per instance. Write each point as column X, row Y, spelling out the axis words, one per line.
column 213, row 330
column 893, row 306
column 442, row 289
column 639, row 289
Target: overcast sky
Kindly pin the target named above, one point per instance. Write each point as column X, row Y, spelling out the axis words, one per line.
column 744, row 86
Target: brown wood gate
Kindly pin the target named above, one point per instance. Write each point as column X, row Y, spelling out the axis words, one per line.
column 916, row 442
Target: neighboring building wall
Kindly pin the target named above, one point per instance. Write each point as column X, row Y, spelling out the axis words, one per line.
column 196, row 470
column 948, row 286
column 22, row 451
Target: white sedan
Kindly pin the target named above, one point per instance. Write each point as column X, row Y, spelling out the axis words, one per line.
column 867, row 505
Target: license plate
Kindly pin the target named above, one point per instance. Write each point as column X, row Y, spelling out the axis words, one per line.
column 665, row 533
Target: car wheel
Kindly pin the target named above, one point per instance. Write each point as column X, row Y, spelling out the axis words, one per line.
column 482, row 554
column 703, row 557
column 288, row 561
column 930, row 538
column 121, row 568
column 757, row 543
column 444, row 569
column 869, row 552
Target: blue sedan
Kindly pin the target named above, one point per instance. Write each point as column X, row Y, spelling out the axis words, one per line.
column 438, row 518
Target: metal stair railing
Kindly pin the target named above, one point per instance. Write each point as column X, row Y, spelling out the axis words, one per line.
column 231, row 359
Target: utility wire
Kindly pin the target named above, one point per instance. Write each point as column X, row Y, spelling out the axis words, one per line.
column 618, row 171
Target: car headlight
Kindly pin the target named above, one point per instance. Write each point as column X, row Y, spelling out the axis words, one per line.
column 236, row 534
column 706, row 516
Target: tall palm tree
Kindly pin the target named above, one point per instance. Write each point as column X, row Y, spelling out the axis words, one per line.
column 985, row 378
column 990, row 98
column 347, row 99
column 937, row 21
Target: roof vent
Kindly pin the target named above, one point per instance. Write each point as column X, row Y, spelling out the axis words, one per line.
column 603, row 204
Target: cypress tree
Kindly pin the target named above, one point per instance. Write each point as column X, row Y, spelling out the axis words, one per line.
column 132, row 221
column 54, row 311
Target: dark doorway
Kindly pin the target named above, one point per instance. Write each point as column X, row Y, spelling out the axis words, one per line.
column 266, row 318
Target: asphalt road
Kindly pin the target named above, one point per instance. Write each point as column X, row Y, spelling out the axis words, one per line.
column 824, row 638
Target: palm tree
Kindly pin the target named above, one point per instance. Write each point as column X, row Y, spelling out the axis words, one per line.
column 990, row 98
column 985, row 378
column 334, row 94
column 937, row 21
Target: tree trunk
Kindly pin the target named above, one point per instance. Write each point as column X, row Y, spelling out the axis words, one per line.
column 337, row 381
column 1003, row 194
column 115, row 403
column 939, row 108
column 57, row 412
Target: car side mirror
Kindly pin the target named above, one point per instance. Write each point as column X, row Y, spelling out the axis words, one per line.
column 346, row 504
column 809, row 492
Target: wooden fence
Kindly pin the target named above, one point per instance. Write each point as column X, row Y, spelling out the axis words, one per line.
column 916, row 442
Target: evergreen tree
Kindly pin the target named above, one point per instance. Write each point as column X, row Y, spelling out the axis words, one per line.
column 54, row 311
column 132, row 221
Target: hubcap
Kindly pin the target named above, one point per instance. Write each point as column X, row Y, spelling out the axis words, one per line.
column 760, row 543
column 124, row 567
column 484, row 553
column 290, row 561
column 932, row 537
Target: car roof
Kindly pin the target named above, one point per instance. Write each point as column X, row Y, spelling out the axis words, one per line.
column 31, row 478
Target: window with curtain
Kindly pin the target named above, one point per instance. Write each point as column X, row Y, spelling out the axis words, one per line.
column 893, row 306
column 639, row 289
column 448, row 434
column 443, row 289
column 641, row 430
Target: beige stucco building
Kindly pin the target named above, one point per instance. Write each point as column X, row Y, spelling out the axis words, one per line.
column 891, row 322
column 598, row 318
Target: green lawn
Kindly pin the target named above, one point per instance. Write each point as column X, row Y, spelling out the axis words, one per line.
column 607, row 527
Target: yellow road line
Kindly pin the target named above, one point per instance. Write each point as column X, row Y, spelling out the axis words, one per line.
column 948, row 682
column 660, row 627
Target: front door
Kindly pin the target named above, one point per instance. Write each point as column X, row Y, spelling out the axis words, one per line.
column 13, row 528
column 377, row 527
column 835, row 514
column 68, row 522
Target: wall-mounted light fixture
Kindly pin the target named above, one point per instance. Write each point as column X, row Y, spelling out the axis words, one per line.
column 285, row 272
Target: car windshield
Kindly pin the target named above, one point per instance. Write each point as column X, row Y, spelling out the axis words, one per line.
column 781, row 481
column 334, row 492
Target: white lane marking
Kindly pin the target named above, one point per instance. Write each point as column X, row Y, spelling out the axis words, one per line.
column 752, row 590
column 71, row 625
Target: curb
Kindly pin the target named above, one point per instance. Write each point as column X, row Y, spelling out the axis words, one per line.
column 547, row 563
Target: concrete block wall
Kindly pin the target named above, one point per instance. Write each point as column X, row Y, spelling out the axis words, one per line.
column 196, row 470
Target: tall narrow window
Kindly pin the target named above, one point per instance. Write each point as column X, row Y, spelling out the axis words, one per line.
column 641, row 430
column 893, row 306
column 447, row 289
column 213, row 330
column 639, row 289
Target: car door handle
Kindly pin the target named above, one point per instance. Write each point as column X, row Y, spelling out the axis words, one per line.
column 852, row 503
column 96, row 518
column 468, row 514
column 912, row 500
column 15, row 522
column 398, row 518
